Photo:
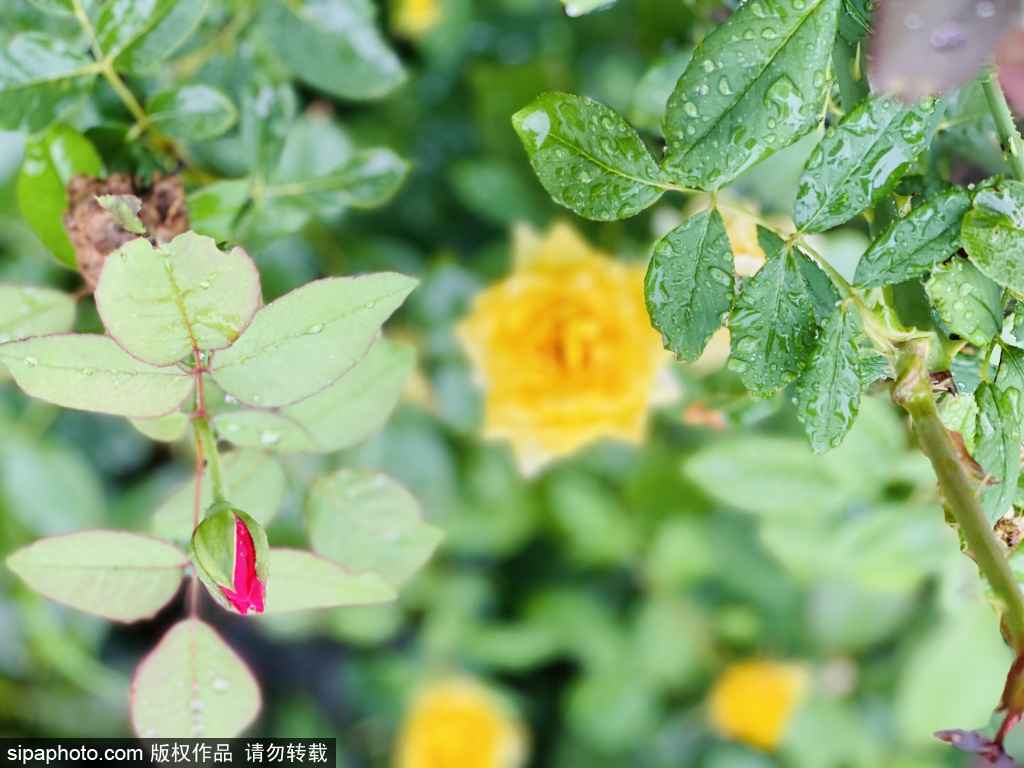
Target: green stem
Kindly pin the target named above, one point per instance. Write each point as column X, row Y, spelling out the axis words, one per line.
column 202, row 427
column 1009, row 136
column 83, row 21
column 912, row 390
column 853, row 86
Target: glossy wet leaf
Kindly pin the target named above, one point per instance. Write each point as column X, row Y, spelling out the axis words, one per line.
column 161, row 303
column 50, row 162
column 300, row 581
column 587, row 157
column 1011, row 369
column 828, row 395
column 92, row 373
column 754, row 85
column 304, row 341
column 998, row 445
column 365, row 520
column 191, row 112
column 822, row 292
column 253, row 482
column 969, row 303
column 931, row 46
column 120, row 24
column 772, row 326
column 26, row 310
column 266, row 110
column 860, row 161
column 162, row 39
column 367, row 179
column 927, row 236
column 192, row 684
column 855, row 19
column 993, row 233
column 689, row 285
column 334, row 45
column 40, row 78
column 114, row 574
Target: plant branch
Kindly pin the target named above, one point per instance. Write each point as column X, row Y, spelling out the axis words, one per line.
column 912, row 390
column 1009, row 136
column 209, row 447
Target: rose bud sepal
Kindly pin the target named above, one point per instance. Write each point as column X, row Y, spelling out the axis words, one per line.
column 230, row 553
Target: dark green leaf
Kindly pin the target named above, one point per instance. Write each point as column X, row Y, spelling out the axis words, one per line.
column 162, row 39
column 855, row 19
column 56, row 7
column 333, row 45
column 969, row 303
column 587, row 157
column 267, row 110
column 860, row 161
column 828, row 395
column 993, row 233
column 689, row 285
column 121, row 23
column 191, row 112
column 755, row 85
column 909, row 246
column 40, row 77
column 1011, row 369
column 772, row 326
column 367, row 179
column 819, row 286
column 998, row 445
column 50, row 162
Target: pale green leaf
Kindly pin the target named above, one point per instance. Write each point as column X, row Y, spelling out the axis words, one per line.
column 266, row 429
column 909, row 246
column 300, row 580
column 26, row 310
column 162, row 39
column 587, row 157
column 304, row 341
column 254, row 482
column 689, row 285
column 192, row 684
column 214, row 209
column 754, row 85
column 50, row 162
column 828, row 395
column 191, row 112
column 881, row 135
column 334, row 45
column 993, row 233
column 125, row 210
column 366, row 521
column 114, row 574
column 162, row 303
column 120, row 23
column 40, row 77
column 580, row 7
column 997, row 441
column 165, row 429
column 367, row 179
column 92, row 373
column 969, row 303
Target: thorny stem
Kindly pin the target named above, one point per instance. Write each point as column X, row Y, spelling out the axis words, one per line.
column 912, row 390
column 1009, row 137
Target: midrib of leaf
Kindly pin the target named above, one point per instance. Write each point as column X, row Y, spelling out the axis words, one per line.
column 350, row 510
column 778, row 303
column 179, row 300
column 846, row 178
column 92, row 68
column 60, row 566
column 157, row 370
column 892, row 265
column 579, row 151
column 711, row 125
column 833, row 370
column 700, row 251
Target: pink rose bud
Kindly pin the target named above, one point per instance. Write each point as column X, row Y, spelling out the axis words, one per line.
column 229, row 550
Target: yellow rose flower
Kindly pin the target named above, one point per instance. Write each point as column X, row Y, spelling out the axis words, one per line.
column 754, row 701
column 565, row 349
column 457, row 723
column 412, row 19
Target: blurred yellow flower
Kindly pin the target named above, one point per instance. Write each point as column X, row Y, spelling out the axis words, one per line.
column 754, row 701
column 565, row 349
column 457, row 723
column 414, row 18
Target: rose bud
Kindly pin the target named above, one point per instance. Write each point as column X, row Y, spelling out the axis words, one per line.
column 230, row 553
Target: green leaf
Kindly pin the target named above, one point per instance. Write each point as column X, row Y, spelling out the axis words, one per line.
column 969, row 303
column 828, row 395
column 193, row 684
column 161, row 303
column 366, row 521
column 165, row 429
column 772, row 326
column 191, row 112
column 998, row 445
column 301, row 580
column 587, row 157
column 755, row 85
column 253, row 482
column 266, row 429
column 334, row 45
column 163, row 38
column 304, row 341
column 56, row 7
column 50, row 162
column 114, row 574
column 855, row 19
column 214, row 209
column 689, row 285
column 40, row 77
column 993, row 233
column 367, row 179
column 121, row 23
column 928, row 235
column 824, row 296
column 92, row 373
column 579, row 7
column 881, row 135
column 29, row 311
column 266, row 111
column 125, row 210
column 1011, row 371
